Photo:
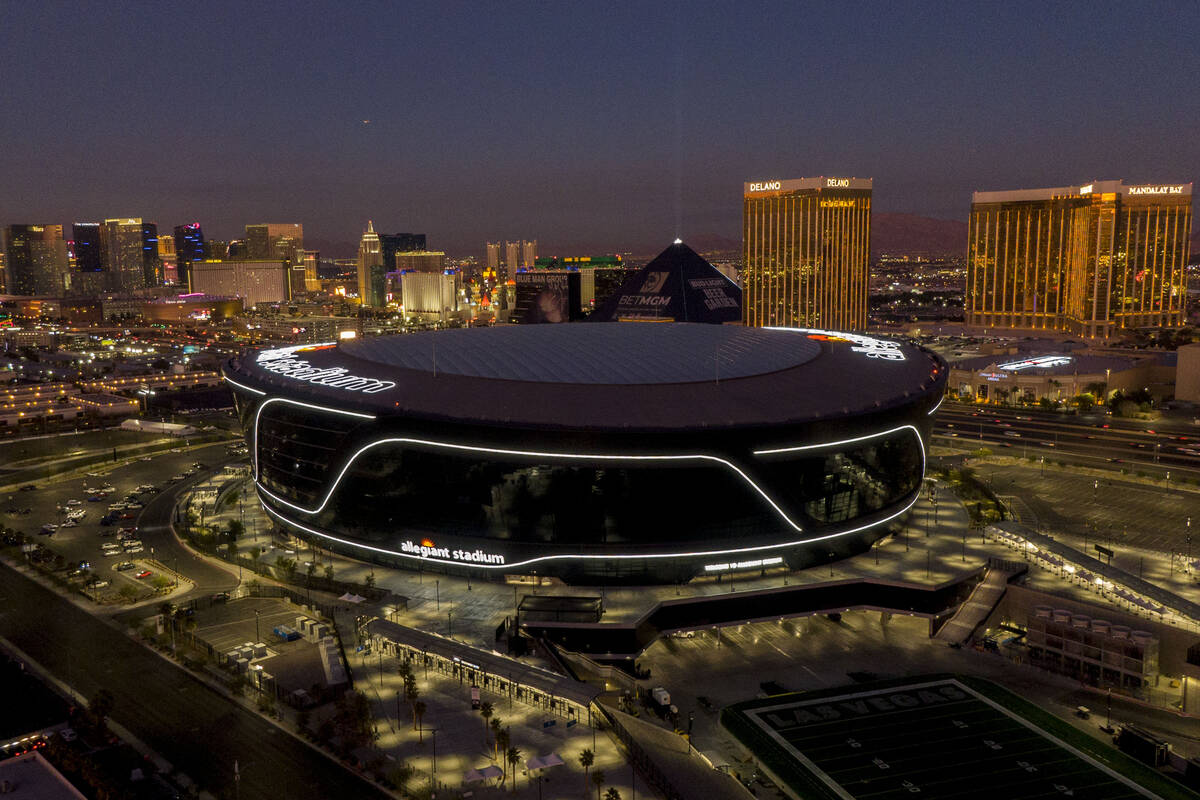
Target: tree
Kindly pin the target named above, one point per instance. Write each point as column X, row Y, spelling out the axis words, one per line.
column 329, row 571
column 234, row 530
column 255, row 552
column 612, row 794
column 598, row 779
column 419, row 713
column 586, row 759
column 513, row 757
column 370, row 581
column 285, row 568
column 486, row 710
column 497, row 731
column 100, row 707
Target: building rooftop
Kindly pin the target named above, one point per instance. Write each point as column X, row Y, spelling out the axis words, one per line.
column 31, row 777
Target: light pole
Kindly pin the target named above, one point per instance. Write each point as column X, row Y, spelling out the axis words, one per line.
column 437, row 593
column 257, row 633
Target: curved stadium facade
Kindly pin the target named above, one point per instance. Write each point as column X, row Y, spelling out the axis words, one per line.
column 618, row 452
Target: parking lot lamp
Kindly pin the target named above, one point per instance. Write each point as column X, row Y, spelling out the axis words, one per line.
column 257, row 632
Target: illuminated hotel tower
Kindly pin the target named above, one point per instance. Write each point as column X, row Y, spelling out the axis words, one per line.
column 1090, row 260
column 805, row 244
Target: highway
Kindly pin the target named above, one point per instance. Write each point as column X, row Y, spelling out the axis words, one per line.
column 1092, row 440
column 198, row 730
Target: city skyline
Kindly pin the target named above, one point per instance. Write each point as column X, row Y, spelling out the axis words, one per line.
column 614, row 140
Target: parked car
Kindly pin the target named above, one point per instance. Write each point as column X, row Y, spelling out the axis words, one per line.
column 144, row 574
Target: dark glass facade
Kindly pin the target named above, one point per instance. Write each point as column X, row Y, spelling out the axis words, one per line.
column 189, row 247
column 332, row 473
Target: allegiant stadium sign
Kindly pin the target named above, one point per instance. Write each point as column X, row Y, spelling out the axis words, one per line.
column 286, row 362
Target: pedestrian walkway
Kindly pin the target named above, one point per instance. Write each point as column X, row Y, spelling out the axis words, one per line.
column 979, row 605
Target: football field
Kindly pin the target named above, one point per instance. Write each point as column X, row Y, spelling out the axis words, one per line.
column 933, row 739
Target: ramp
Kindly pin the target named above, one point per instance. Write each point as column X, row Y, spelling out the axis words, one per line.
column 980, row 604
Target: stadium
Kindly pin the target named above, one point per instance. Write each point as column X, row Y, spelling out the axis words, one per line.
column 591, row 452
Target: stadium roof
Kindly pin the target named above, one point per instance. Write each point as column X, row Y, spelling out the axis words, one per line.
column 602, row 376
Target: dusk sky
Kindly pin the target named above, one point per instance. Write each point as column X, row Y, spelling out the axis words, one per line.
column 588, row 126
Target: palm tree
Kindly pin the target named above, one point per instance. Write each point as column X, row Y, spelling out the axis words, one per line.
column 612, row 794
column 419, row 712
column 586, row 759
column 486, row 710
column 497, row 730
column 513, row 757
column 598, row 779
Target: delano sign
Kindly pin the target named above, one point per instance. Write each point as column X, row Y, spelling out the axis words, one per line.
column 766, row 186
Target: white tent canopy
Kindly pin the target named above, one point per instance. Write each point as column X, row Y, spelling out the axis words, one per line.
column 352, row 598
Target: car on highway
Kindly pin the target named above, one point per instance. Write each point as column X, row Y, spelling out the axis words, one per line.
column 73, row 502
column 29, row 487
column 144, row 574
column 1012, row 434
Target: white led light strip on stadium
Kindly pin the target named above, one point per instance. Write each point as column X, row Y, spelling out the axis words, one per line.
column 584, row 556
column 576, row 457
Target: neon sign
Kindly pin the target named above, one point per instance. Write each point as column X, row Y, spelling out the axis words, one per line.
column 1155, row 189
column 766, row 186
column 427, row 549
column 1040, row 362
column 283, row 361
column 837, row 183
column 868, row 346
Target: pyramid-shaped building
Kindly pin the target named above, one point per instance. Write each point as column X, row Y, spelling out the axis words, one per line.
column 677, row 286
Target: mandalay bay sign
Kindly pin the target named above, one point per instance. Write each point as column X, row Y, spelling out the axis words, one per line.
column 285, row 361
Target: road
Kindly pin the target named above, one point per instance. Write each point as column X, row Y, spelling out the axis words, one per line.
column 1088, row 440
column 198, row 730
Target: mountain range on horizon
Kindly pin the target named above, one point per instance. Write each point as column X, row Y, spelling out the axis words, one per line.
column 891, row 234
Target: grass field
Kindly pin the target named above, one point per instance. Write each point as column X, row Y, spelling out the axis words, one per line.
column 928, row 738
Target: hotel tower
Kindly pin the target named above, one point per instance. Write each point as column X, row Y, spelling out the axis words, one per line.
column 1090, row 260
column 805, row 244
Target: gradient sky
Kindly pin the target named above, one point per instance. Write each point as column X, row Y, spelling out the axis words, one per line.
column 604, row 126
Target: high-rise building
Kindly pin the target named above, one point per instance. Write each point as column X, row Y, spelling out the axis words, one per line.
column 85, row 237
column 87, row 261
column 167, row 260
column 129, row 254
column 1089, row 259
column 36, row 260
column 528, row 253
column 421, row 261
column 310, row 259
column 512, row 259
column 274, row 240
column 372, row 272
column 254, row 281
column 493, row 256
column 189, row 248
column 805, row 246
column 392, row 243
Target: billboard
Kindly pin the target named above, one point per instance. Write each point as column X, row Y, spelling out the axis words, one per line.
column 547, row 296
